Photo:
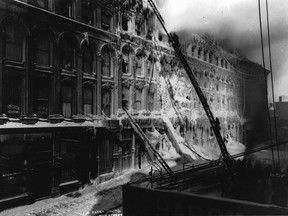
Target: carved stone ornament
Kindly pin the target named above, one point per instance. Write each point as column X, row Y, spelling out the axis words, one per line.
column 127, row 49
column 107, row 85
column 68, row 80
column 141, row 53
column 127, row 83
column 89, row 83
column 139, row 84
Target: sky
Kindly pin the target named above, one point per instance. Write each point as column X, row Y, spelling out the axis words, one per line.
column 235, row 25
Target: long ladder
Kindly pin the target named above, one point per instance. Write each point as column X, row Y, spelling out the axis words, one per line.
column 144, row 140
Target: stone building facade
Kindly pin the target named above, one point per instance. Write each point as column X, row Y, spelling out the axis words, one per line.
column 68, row 67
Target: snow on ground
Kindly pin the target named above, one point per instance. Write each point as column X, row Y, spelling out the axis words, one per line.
column 90, row 201
column 235, row 147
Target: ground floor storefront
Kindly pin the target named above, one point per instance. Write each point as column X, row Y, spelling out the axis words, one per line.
column 45, row 159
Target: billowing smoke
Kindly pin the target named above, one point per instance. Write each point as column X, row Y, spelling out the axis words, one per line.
column 235, row 25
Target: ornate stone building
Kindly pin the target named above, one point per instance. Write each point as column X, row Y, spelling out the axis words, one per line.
column 68, row 67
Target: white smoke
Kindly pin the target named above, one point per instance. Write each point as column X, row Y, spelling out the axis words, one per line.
column 235, row 25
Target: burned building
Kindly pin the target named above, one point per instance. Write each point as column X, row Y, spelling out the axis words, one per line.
column 68, row 67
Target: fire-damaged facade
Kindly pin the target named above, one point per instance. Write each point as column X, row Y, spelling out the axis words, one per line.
column 68, row 67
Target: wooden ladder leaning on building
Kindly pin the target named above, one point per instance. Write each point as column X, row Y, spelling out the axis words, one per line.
column 144, row 140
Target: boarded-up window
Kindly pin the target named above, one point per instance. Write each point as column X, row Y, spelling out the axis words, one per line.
column 66, row 93
column 14, row 42
column 13, row 179
column 87, row 100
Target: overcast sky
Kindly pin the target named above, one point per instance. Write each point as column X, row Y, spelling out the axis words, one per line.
column 235, row 24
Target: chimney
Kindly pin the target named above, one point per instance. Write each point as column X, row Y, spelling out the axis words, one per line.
column 280, row 98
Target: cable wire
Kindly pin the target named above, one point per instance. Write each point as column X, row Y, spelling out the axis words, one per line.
column 272, row 86
column 265, row 80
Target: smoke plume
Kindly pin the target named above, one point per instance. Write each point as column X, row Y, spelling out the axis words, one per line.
column 235, row 25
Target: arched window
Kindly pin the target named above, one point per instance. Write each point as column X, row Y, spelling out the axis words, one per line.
column 199, row 52
column 87, row 60
column 14, row 35
column 139, row 65
column 42, row 50
column 68, row 50
column 12, row 86
column 106, row 101
column 125, row 23
column 210, row 57
column 106, row 62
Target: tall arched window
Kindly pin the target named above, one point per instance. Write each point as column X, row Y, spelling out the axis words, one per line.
column 68, row 50
column 106, row 105
column 87, row 60
column 106, row 64
column 42, row 50
column 12, row 87
column 43, row 73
